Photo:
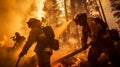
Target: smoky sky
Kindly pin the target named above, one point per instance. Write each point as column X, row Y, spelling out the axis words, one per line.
column 13, row 17
column 13, row 14
column 111, row 20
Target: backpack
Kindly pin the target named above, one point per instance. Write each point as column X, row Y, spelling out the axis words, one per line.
column 101, row 22
column 114, row 34
column 55, row 44
column 49, row 33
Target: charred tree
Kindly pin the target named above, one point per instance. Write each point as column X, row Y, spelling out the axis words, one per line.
column 115, row 4
column 66, row 12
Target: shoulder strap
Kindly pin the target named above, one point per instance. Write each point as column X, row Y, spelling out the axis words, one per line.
column 101, row 22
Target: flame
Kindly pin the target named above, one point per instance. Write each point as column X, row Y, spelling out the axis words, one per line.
column 39, row 13
column 61, row 29
column 2, row 43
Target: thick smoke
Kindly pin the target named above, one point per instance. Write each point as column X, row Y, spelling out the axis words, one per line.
column 13, row 17
column 12, row 14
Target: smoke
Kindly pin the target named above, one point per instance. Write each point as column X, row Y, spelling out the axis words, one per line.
column 12, row 15
column 59, row 31
column 51, row 12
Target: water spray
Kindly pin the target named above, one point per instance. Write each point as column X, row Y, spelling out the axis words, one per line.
column 58, row 31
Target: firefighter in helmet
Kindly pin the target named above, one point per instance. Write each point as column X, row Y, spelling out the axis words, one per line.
column 100, row 40
column 42, row 49
column 18, row 40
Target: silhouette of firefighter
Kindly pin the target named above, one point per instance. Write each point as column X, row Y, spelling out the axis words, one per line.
column 43, row 48
column 18, row 40
column 96, row 29
column 116, row 38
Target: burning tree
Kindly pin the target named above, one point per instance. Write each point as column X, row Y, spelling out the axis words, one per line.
column 93, row 9
column 52, row 12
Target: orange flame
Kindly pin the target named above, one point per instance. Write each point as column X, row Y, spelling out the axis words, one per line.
column 2, row 43
column 61, row 29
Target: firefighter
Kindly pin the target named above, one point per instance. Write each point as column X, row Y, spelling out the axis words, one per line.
column 42, row 49
column 18, row 40
column 115, row 34
column 100, row 40
column 116, row 38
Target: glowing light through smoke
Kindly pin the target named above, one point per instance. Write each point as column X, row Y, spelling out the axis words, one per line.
column 3, row 41
column 39, row 13
column 61, row 29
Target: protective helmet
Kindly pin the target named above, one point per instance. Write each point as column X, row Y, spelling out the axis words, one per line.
column 80, row 19
column 32, row 20
column 16, row 33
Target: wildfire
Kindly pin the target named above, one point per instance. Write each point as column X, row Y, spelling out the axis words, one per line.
column 61, row 29
column 39, row 13
column 2, row 43
column 39, row 5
